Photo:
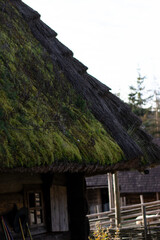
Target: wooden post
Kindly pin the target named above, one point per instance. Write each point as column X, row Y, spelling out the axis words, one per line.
column 110, row 191
column 143, row 209
column 121, row 201
column 141, row 199
column 144, row 221
column 124, row 201
column 157, row 196
column 116, row 200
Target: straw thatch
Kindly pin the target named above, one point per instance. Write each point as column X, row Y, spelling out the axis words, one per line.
column 130, row 181
column 84, row 144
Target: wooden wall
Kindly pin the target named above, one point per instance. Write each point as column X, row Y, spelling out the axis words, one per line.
column 12, row 195
column 59, row 204
column 94, row 200
column 11, row 190
column 134, row 198
column 64, row 197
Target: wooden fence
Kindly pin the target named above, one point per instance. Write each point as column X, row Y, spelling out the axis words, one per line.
column 140, row 220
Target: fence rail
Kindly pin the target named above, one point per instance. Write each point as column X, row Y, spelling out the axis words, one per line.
column 135, row 219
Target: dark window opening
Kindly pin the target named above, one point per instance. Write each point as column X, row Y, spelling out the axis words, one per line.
column 105, row 199
column 35, row 206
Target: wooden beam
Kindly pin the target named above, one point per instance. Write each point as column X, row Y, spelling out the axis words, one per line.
column 110, row 191
column 116, row 200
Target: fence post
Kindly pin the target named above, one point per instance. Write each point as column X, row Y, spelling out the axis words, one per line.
column 110, row 191
column 117, row 200
column 141, row 199
column 97, row 210
column 144, row 221
column 157, row 196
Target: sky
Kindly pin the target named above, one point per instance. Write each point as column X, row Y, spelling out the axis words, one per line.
column 113, row 38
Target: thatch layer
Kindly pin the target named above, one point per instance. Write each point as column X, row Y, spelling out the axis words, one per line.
column 136, row 182
column 42, row 119
column 101, row 102
column 54, row 113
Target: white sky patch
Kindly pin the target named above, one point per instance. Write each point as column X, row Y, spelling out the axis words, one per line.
column 111, row 37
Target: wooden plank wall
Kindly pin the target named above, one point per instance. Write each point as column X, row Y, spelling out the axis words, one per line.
column 134, row 198
column 7, row 202
column 94, row 200
column 59, row 208
column 11, row 190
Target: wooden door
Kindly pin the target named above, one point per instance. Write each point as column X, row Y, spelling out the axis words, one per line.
column 59, row 209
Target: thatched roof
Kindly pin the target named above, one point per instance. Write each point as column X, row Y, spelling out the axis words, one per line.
column 98, row 181
column 136, row 182
column 54, row 115
column 130, row 181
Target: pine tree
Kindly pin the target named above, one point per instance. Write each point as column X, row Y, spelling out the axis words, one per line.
column 152, row 118
column 156, row 111
column 136, row 98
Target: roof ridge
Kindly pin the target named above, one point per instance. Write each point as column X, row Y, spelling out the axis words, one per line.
column 27, row 12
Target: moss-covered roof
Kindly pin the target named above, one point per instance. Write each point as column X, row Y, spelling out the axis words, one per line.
column 52, row 113
column 42, row 119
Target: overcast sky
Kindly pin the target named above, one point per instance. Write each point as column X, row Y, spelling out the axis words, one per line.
column 111, row 37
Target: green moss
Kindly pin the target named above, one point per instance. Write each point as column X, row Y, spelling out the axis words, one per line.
column 42, row 119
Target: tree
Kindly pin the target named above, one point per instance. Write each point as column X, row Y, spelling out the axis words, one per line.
column 156, row 114
column 141, row 106
column 136, row 98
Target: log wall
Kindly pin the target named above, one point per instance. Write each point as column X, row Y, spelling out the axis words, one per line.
column 11, row 190
column 134, row 198
column 94, row 200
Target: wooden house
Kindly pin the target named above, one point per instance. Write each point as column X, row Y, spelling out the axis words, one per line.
column 57, row 125
column 97, row 193
column 135, row 187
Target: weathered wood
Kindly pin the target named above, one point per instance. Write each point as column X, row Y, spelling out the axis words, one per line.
column 54, row 208
column 116, row 200
column 134, row 198
column 110, row 191
column 143, row 209
column 128, row 216
column 10, row 183
column 59, row 179
column 144, row 221
column 157, row 196
column 8, row 201
column 63, row 209
column 59, row 212
column 52, row 236
column 124, row 201
column 100, row 214
column 141, row 199
column 121, row 202
column 153, row 203
column 94, row 200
